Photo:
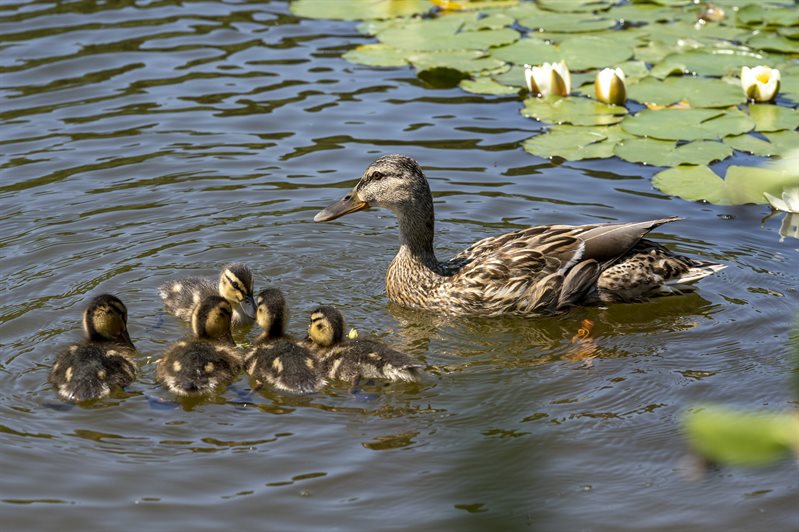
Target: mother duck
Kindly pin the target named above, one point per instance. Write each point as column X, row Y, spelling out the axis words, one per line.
column 530, row 272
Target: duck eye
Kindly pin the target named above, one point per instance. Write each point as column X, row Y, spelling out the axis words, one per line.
column 377, row 176
column 236, row 285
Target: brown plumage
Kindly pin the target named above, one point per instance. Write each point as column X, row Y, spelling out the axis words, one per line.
column 276, row 358
column 104, row 361
column 534, row 271
column 207, row 362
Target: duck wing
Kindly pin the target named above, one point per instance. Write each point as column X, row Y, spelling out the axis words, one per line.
column 542, row 269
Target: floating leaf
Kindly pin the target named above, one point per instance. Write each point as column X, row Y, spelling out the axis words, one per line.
column 464, row 61
column 731, row 437
column 777, row 143
column 486, row 85
column 573, row 110
column 667, row 153
column 574, row 6
column 444, row 34
column 769, row 117
column 711, row 61
column 378, row 55
column 575, row 143
column 773, row 43
column 584, row 52
column 757, row 15
column 527, row 51
column 699, row 92
column 688, row 124
column 743, row 184
column 358, row 9
column 566, row 22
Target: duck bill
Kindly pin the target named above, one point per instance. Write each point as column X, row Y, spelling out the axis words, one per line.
column 349, row 203
column 125, row 337
column 248, row 306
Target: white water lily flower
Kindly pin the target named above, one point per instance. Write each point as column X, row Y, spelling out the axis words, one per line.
column 549, row 79
column 789, row 201
column 609, row 86
column 760, row 83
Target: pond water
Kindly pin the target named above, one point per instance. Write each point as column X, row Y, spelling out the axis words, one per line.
column 142, row 141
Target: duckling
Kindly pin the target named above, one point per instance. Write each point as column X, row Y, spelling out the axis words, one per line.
column 351, row 359
column 535, row 271
column 277, row 358
column 235, row 284
column 206, row 363
column 104, row 361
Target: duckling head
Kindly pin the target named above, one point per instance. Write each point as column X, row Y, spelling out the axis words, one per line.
column 271, row 313
column 395, row 182
column 105, row 319
column 327, row 326
column 235, row 284
column 211, row 320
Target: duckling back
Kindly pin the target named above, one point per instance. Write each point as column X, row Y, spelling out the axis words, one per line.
column 369, row 359
column 197, row 367
column 181, row 296
column 89, row 371
column 285, row 365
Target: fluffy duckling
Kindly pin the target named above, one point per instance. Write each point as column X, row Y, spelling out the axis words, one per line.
column 206, row 363
column 235, row 284
column 103, row 361
column 350, row 360
column 277, row 358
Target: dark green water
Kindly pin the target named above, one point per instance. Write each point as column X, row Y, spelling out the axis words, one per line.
column 147, row 140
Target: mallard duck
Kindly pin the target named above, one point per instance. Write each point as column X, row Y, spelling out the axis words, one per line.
column 277, row 358
column 534, row 271
column 104, row 361
column 235, row 284
column 207, row 362
column 350, row 359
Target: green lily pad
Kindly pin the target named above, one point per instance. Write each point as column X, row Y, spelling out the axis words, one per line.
column 444, row 34
column 687, row 124
column 378, row 55
column 776, row 143
column 588, row 51
column 573, row 110
column 667, row 153
column 575, row 143
column 574, row 6
column 773, row 43
column 769, row 117
column 566, row 22
column 699, row 92
column 530, row 51
column 756, row 15
column 731, row 437
column 464, row 61
column 358, row 9
column 494, row 21
column 486, row 85
column 711, row 61
column 742, row 184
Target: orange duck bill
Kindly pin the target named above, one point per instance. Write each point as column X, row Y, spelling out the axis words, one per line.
column 349, row 203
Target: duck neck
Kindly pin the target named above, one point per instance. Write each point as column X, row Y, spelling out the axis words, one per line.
column 417, row 226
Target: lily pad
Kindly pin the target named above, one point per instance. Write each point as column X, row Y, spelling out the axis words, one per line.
column 730, row 437
column 358, row 9
column 711, row 61
column 742, row 184
column 756, row 15
column 378, row 55
column 575, row 143
column 585, row 52
column 777, row 143
column 667, row 153
column 444, row 34
column 773, row 43
column 699, row 92
column 688, row 124
column 464, row 61
column 566, row 22
column 574, row 6
column 486, row 85
column 769, row 117
column 527, row 51
column 573, row 110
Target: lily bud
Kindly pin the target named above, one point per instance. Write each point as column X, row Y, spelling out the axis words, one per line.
column 549, row 79
column 609, row 86
column 761, row 83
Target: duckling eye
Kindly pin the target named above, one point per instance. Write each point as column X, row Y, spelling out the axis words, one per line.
column 377, row 176
column 236, row 285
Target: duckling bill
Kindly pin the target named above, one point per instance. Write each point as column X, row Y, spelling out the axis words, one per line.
column 535, row 271
column 207, row 362
column 104, row 361
column 277, row 358
column 235, row 284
